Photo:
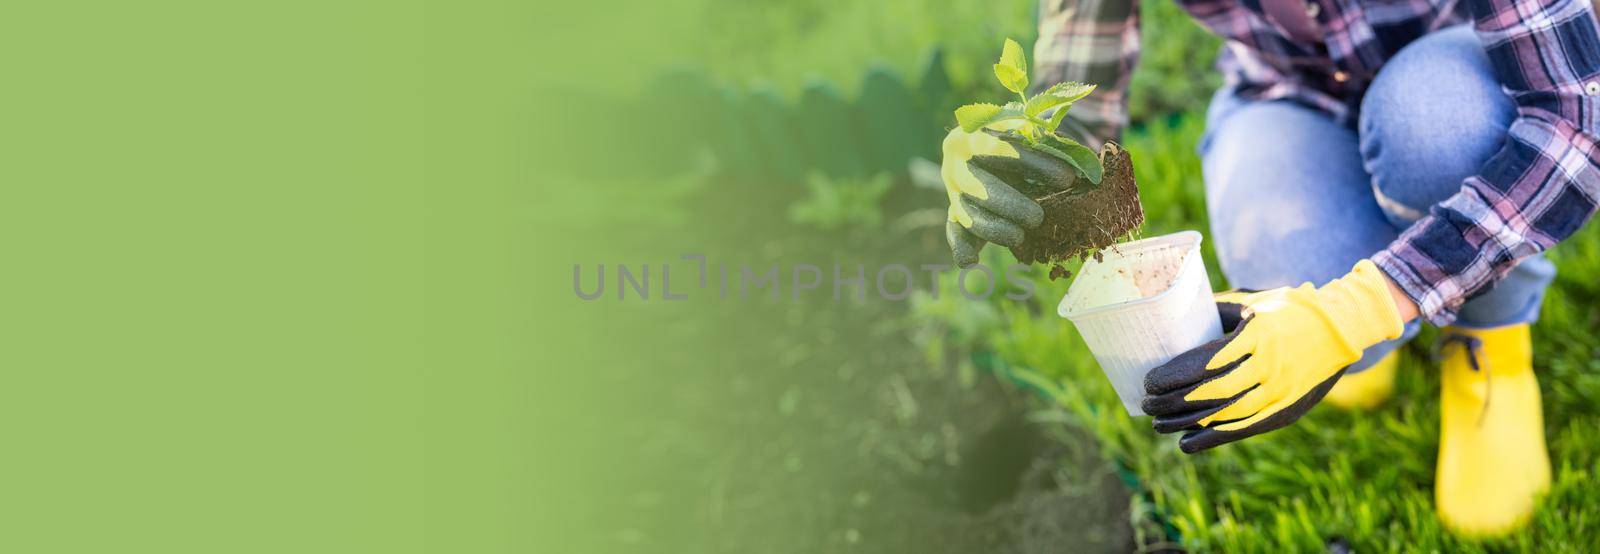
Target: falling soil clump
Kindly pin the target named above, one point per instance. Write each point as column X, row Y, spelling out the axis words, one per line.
column 1081, row 220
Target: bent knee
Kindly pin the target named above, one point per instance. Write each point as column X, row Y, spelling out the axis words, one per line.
column 1434, row 114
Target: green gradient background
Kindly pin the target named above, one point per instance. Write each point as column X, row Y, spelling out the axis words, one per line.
column 295, row 277
column 214, row 286
column 276, row 282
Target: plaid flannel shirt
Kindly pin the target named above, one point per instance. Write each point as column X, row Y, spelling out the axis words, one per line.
column 1541, row 186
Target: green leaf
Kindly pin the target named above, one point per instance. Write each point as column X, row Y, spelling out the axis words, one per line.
column 1040, row 103
column 973, row 117
column 1071, row 91
column 1011, row 55
column 1080, row 156
column 1014, row 79
column 1055, row 120
column 1051, row 150
column 1062, row 93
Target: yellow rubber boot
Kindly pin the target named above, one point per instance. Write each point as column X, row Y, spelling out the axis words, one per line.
column 1365, row 390
column 1492, row 460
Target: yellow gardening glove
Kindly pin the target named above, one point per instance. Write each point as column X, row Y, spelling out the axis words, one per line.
column 1290, row 348
column 981, row 172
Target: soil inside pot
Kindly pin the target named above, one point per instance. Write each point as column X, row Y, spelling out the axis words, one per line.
column 1081, row 221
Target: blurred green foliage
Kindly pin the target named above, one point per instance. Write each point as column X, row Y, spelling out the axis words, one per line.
column 1175, row 71
column 788, row 43
column 833, row 204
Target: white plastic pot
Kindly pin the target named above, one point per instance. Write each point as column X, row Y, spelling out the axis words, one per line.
column 1140, row 305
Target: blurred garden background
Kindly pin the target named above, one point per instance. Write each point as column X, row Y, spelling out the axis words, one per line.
column 941, row 424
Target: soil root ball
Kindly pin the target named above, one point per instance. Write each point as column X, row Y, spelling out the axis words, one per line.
column 1083, row 220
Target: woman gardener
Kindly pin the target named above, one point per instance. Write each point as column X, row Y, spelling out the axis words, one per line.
column 1436, row 148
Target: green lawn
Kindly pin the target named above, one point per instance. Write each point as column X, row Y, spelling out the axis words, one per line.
column 1365, row 479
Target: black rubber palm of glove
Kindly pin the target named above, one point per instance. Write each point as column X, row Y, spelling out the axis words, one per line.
column 1292, row 345
column 1166, row 386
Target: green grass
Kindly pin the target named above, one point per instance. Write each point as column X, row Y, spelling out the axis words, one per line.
column 1363, row 478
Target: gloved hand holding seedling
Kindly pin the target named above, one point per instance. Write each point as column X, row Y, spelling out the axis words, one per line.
column 1013, row 181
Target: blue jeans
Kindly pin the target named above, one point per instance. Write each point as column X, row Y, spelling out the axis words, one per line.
column 1295, row 197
